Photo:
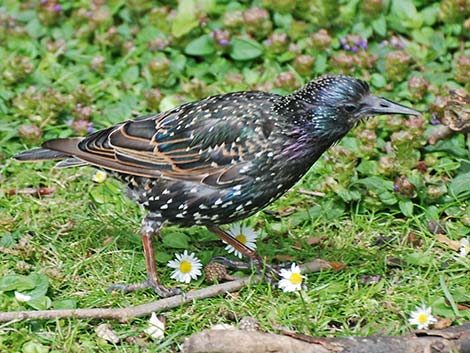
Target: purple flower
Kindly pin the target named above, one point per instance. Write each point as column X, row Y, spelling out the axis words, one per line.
column 268, row 42
column 223, row 42
column 57, row 8
column 343, row 41
column 43, row 2
column 354, row 49
column 395, row 187
column 435, row 120
column 347, row 47
column 363, row 44
column 69, row 122
column 90, row 128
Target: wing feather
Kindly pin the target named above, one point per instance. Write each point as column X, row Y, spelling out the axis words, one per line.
column 211, row 141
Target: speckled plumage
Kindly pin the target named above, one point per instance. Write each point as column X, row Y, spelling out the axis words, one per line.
column 225, row 157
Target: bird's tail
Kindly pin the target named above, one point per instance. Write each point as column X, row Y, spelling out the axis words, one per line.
column 39, row 154
column 46, row 154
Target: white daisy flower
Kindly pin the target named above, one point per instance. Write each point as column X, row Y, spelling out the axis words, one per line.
column 464, row 247
column 245, row 235
column 186, row 267
column 422, row 317
column 99, row 177
column 22, row 297
column 291, row 280
column 156, row 328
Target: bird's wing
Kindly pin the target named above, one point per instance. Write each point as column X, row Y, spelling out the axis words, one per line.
column 210, row 141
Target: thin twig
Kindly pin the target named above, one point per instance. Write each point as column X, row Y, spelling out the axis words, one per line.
column 125, row 314
column 311, row 193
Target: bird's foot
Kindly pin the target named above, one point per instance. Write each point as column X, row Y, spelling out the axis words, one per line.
column 162, row 291
column 270, row 273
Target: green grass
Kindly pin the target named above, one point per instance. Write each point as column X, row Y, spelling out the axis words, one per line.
column 383, row 185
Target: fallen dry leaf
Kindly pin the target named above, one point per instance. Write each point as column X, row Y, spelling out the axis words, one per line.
column 442, row 324
column 283, row 258
column 105, row 332
column 337, row 265
column 452, row 244
column 463, row 307
column 156, row 328
column 313, row 240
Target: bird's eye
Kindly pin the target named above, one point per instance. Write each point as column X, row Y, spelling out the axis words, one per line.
column 349, row 108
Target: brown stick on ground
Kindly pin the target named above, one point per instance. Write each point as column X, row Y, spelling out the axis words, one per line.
column 454, row 339
column 124, row 314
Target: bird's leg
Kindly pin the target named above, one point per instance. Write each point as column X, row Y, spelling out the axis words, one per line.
column 270, row 272
column 150, row 226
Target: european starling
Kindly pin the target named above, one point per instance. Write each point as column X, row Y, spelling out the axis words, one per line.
column 220, row 159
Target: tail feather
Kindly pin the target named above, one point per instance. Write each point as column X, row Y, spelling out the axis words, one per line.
column 70, row 162
column 56, row 149
column 39, row 154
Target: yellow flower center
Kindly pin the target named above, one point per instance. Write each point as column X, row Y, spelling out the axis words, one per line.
column 422, row 318
column 241, row 238
column 185, row 266
column 295, row 278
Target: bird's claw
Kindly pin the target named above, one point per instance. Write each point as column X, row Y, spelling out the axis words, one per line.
column 270, row 273
column 162, row 291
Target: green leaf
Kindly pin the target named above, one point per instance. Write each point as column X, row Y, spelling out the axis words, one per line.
column 425, row 35
column 162, row 257
column 403, row 15
column 283, row 20
column 381, row 187
column 459, row 187
column 7, row 241
column 185, row 19
column 178, row 63
column 41, row 284
column 419, row 259
column 430, row 14
column 376, row 184
column 16, row 282
column 362, row 29
column 406, row 207
column 440, row 308
column 176, row 240
column 204, row 45
column 286, row 56
column 321, row 63
column 351, row 144
column 65, row 304
column 147, row 33
column 34, row 347
column 378, row 81
column 168, row 102
column 40, row 303
column 367, row 167
column 250, row 76
column 35, row 29
column 380, row 26
column 245, row 49
column 131, row 75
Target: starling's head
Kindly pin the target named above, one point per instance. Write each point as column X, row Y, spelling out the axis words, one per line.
column 336, row 102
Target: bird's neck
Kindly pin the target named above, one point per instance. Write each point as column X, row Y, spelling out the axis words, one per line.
column 306, row 145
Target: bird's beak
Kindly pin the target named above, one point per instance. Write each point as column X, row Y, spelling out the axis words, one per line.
column 374, row 105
